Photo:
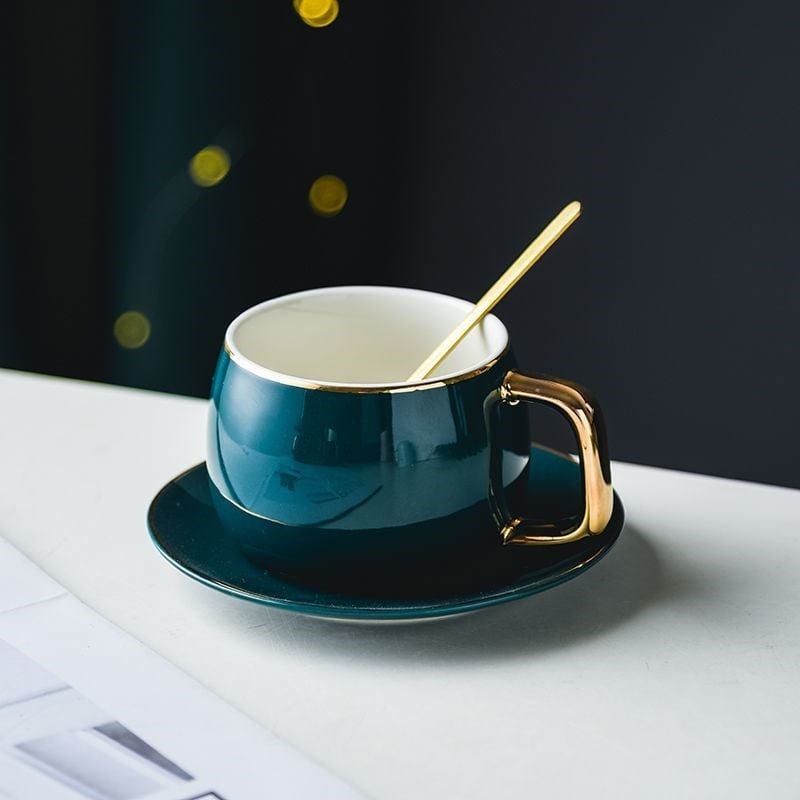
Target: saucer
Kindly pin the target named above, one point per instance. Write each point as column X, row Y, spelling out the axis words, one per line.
column 186, row 530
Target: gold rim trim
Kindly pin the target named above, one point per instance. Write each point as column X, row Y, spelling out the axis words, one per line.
column 305, row 383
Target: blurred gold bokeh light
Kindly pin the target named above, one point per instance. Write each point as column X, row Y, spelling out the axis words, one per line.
column 317, row 13
column 209, row 166
column 131, row 329
column 327, row 195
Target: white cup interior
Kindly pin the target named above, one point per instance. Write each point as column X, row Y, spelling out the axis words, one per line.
column 359, row 336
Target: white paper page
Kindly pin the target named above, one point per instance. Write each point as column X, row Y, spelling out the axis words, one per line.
column 21, row 581
column 89, row 713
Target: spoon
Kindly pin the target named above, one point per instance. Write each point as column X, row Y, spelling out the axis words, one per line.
column 527, row 258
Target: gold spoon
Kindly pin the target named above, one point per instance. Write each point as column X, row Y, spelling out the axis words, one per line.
column 527, row 258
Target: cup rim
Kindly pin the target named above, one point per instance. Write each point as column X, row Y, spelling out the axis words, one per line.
column 267, row 373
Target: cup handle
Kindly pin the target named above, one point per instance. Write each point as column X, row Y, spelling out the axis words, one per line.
column 583, row 414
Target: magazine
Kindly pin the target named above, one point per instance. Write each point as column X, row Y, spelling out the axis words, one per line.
column 89, row 713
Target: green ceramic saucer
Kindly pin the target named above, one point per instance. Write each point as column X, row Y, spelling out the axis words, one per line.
column 186, row 530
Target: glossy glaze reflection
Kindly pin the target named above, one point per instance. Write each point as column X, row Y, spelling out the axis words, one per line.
column 350, row 461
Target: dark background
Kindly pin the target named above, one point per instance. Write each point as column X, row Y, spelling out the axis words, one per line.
column 460, row 129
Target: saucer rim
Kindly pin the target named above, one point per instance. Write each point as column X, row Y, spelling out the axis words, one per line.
column 368, row 611
column 371, row 613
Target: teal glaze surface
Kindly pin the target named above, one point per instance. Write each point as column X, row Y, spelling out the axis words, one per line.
column 384, row 473
column 185, row 528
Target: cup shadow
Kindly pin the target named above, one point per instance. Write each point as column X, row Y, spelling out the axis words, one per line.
column 622, row 585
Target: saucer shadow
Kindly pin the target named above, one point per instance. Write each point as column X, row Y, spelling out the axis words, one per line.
column 606, row 597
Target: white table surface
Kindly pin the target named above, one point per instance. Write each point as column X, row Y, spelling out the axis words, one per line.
column 670, row 670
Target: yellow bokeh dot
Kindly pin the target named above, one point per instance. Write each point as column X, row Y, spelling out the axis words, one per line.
column 317, row 13
column 327, row 195
column 132, row 329
column 209, row 166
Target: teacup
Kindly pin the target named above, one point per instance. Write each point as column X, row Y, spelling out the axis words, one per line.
column 323, row 458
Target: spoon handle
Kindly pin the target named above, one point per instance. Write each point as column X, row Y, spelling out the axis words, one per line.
column 527, row 258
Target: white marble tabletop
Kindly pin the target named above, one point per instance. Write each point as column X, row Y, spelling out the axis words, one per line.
column 670, row 670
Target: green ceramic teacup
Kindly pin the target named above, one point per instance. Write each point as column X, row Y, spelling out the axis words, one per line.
column 322, row 458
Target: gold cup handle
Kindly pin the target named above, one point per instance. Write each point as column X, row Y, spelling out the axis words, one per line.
column 583, row 414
